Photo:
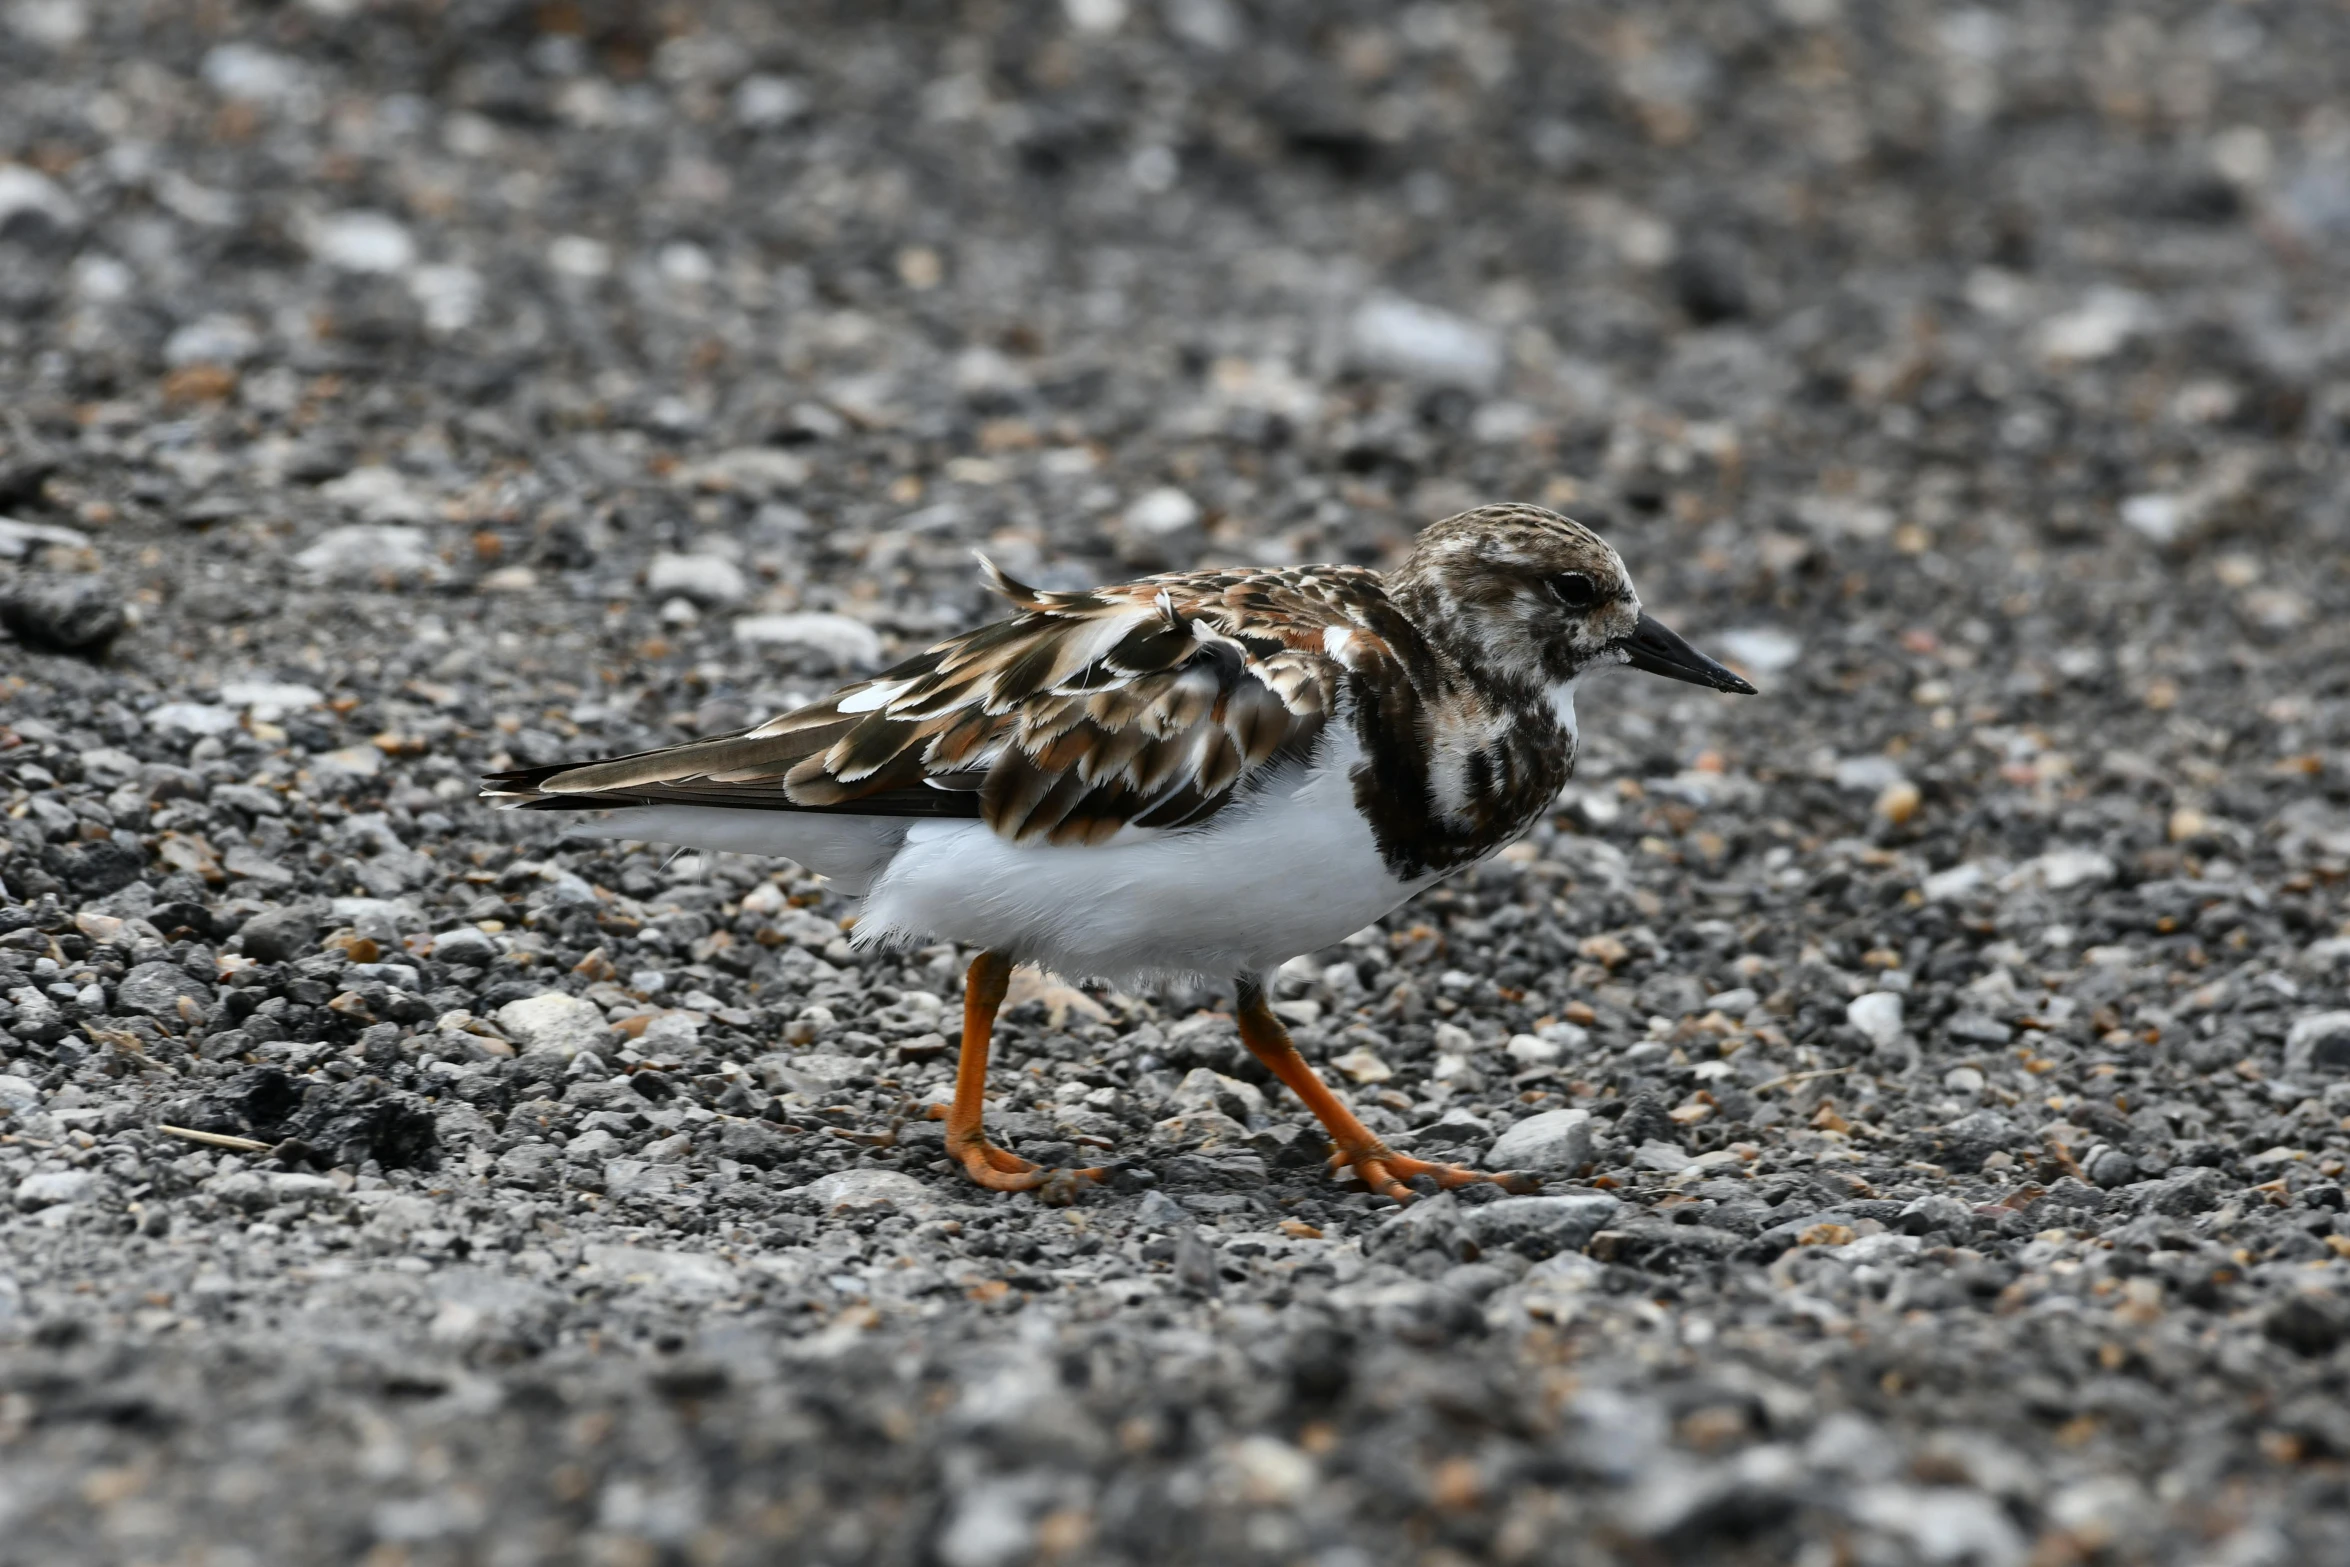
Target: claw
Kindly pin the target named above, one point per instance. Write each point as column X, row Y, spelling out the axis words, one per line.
column 1001, row 1170
column 1060, row 1187
column 1386, row 1172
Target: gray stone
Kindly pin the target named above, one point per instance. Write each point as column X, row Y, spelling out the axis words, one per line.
column 530, row 1164
column 465, row 945
column 1393, row 336
column 1158, row 1211
column 19, row 539
column 1973, row 1028
column 2184, row 1196
column 372, row 848
column 1202, row 1089
column 756, row 471
column 2109, row 1167
column 62, row 614
column 1538, row 1226
column 156, row 989
column 297, row 1186
column 711, row 581
column 362, row 241
column 1672, row 995
column 1988, row 1127
column 1877, row 1016
column 642, row 1178
column 246, row 1189
column 281, row 935
column 861, row 1191
column 56, row 1186
column 1457, row 1128
column 2319, row 1042
column 1550, row 1140
column 590, row 1147
column 26, row 194
column 1939, row 1211
column 841, row 641
column 552, row 1024
column 363, row 553
column 199, row 718
column 1660, row 1155
column 687, row 1273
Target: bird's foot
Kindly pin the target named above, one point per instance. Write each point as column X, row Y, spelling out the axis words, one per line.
column 1388, row 1173
column 1001, row 1170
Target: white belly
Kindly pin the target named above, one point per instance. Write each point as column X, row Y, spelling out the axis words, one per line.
column 1293, row 869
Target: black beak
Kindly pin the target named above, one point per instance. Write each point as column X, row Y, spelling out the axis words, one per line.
column 1661, row 651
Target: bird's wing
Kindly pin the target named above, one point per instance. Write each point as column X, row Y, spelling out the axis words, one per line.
column 1146, row 705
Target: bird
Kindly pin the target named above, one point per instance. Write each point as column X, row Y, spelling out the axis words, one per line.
column 1194, row 776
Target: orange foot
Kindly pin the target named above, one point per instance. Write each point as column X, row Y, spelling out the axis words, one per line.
column 1001, row 1170
column 1386, row 1172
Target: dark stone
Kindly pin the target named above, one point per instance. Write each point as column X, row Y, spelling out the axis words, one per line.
column 1195, row 1264
column 2308, row 1325
column 157, row 989
column 280, row 936
column 1321, row 1365
column 1644, row 1121
column 2183, row 1196
column 178, row 921
column 351, row 1123
column 756, row 1144
column 254, row 1103
column 61, row 614
column 96, row 869
column 1709, row 284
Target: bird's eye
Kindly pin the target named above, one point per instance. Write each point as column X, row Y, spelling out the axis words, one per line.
column 1574, row 590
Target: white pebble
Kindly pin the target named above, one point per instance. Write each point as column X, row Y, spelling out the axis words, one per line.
column 708, row 580
column 1392, row 336
column 29, row 190
column 849, row 644
column 213, row 340
column 364, row 552
column 1763, row 649
column 1162, row 511
column 1877, row 1015
column 363, row 241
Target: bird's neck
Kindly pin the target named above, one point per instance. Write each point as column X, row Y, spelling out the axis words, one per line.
column 1465, row 654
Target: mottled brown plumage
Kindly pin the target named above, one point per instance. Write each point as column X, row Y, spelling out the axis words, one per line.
column 1153, row 704
column 1207, row 771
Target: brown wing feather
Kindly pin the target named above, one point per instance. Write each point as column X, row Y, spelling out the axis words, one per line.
column 1152, row 704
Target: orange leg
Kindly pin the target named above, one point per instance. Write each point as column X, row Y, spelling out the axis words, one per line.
column 994, row 1168
column 1353, row 1145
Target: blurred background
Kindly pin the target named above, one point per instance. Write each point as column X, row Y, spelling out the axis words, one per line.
column 1973, row 354
column 1811, row 293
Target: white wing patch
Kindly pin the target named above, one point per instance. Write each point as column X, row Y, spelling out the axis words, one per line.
column 873, row 698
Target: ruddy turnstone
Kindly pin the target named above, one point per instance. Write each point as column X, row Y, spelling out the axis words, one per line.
column 1203, row 773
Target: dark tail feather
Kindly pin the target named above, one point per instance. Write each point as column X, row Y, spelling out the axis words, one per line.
column 520, row 785
column 523, row 788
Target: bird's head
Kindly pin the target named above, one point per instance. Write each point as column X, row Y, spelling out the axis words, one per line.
column 1529, row 598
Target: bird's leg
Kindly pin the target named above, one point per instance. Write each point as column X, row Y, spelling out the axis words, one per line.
column 1353, row 1145
column 995, row 1168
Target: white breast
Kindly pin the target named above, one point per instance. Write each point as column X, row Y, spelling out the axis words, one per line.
column 1292, row 869
column 1562, row 701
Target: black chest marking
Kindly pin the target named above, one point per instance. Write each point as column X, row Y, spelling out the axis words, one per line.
column 1435, row 803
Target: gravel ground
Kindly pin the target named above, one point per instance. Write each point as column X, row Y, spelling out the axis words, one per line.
column 1941, row 1063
